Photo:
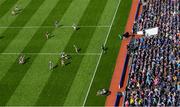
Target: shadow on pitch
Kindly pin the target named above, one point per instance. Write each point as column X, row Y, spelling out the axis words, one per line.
column 27, row 59
column 1, row 37
column 51, row 36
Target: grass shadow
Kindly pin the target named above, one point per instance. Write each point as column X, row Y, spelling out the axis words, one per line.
column 78, row 28
column 27, row 59
column 51, row 36
column 1, row 37
column 55, row 66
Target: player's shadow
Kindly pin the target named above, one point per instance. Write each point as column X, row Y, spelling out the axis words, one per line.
column 78, row 28
column 68, row 63
column 68, row 57
column 79, row 49
column 51, row 36
column 60, row 26
column 1, row 37
column 55, row 66
column 27, row 59
column 19, row 11
column 105, row 50
column 69, row 60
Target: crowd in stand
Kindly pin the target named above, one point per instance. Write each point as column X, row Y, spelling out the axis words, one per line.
column 159, row 13
column 155, row 70
column 154, row 75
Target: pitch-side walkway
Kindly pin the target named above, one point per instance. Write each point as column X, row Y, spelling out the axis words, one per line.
column 114, row 87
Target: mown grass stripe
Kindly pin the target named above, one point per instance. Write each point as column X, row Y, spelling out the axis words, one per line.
column 19, row 98
column 60, row 81
column 15, row 74
column 5, row 6
column 25, row 35
column 21, row 20
column 2, row 1
column 7, row 84
column 88, row 64
column 99, row 59
column 108, row 61
column 33, row 82
column 8, row 19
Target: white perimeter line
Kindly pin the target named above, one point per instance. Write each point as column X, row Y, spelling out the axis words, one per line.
column 101, row 55
column 85, row 54
column 34, row 27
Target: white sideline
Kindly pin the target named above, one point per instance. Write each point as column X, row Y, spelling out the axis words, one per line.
column 35, row 27
column 101, row 54
column 81, row 54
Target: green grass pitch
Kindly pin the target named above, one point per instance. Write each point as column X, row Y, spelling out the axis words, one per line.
column 33, row 84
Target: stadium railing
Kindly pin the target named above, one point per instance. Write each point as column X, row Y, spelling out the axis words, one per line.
column 118, row 98
column 137, row 10
column 125, row 95
column 124, row 71
column 137, row 13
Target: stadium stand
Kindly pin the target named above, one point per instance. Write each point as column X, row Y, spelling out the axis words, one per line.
column 155, row 69
column 157, row 13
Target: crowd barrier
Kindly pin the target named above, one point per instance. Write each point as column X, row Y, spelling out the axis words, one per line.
column 137, row 10
column 137, row 13
column 118, row 98
column 119, row 95
column 127, row 85
column 124, row 71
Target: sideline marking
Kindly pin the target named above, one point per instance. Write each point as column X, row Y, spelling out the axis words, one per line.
column 101, row 54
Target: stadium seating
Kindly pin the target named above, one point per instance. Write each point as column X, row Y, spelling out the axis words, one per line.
column 157, row 13
column 155, row 70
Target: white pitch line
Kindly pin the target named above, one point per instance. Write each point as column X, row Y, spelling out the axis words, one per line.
column 101, row 55
column 35, row 27
column 81, row 54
